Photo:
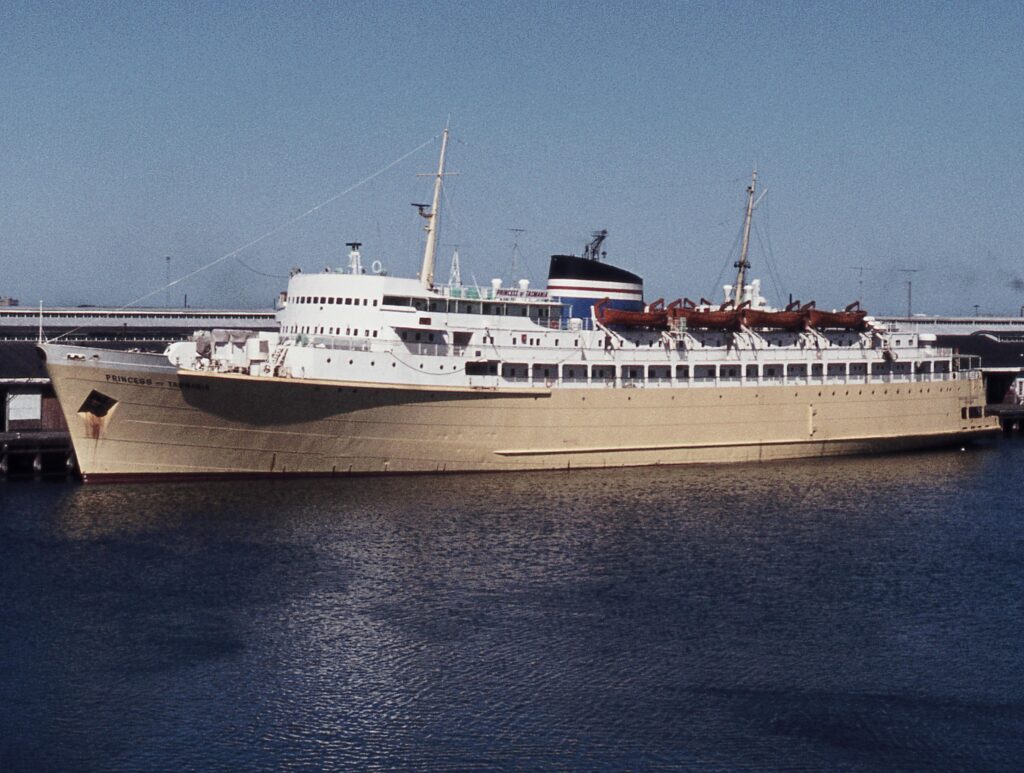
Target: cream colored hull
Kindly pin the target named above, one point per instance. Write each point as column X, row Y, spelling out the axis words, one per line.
column 181, row 424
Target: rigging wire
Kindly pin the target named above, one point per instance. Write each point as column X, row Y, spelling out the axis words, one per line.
column 728, row 259
column 450, row 213
column 257, row 271
column 769, row 264
column 769, row 254
column 773, row 266
column 234, row 253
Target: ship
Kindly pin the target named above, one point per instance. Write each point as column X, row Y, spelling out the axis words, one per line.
column 369, row 373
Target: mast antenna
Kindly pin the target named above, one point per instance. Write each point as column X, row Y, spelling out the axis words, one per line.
column 860, row 282
column 513, row 266
column 355, row 265
column 455, row 274
column 910, row 288
column 432, row 217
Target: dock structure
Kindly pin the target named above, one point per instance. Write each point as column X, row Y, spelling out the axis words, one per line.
column 142, row 329
column 999, row 344
column 1011, row 416
column 33, row 436
column 34, row 439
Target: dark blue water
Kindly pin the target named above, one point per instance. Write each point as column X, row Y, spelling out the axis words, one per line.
column 859, row 614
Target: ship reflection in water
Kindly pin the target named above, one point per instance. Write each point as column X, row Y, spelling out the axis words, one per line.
column 856, row 613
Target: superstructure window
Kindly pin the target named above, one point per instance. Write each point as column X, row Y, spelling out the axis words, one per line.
column 481, row 369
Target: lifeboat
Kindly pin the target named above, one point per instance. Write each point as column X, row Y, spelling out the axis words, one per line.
column 723, row 318
column 793, row 318
column 851, row 318
column 654, row 317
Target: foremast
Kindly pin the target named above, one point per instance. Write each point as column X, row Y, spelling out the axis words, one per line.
column 427, row 271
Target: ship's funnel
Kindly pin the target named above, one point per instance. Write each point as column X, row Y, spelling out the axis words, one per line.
column 582, row 282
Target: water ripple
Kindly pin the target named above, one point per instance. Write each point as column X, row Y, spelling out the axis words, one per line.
column 855, row 614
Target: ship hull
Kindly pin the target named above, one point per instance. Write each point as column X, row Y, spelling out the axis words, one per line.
column 134, row 417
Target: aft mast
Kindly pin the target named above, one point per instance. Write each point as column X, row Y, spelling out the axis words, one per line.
column 427, row 272
column 742, row 264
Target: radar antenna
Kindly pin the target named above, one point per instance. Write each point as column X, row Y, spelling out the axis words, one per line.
column 593, row 249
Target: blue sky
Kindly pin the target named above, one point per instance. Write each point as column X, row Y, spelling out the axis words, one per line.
column 889, row 136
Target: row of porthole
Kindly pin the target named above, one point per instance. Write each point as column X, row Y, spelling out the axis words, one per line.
column 329, row 301
column 374, row 362
column 305, row 329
